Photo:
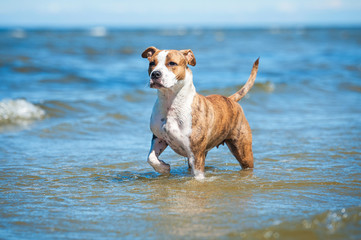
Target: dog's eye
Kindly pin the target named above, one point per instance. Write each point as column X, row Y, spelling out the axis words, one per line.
column 172, row 64
column 151, row 64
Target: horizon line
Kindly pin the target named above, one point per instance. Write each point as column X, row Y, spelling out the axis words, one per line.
column 183, row 26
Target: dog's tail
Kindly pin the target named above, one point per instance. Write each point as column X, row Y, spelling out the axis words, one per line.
column 244, row 90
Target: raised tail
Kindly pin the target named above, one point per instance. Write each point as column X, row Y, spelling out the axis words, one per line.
column 244, row 90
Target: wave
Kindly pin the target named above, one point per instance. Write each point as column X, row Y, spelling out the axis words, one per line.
column 332, row 224
column 19, row 111
column 98, row 32
column 18, row 33
column 268, row 87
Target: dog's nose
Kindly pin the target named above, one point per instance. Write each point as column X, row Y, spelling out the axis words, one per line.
column 156, row 75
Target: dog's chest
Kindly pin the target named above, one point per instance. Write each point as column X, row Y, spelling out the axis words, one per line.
column 174, row 126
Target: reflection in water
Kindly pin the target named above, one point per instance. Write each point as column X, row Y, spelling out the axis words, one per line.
column 192, row 208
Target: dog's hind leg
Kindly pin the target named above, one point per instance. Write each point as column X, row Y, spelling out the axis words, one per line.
column 157, row 147
column 242, row 151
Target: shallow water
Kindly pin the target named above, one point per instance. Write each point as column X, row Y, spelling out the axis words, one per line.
column 74, row 137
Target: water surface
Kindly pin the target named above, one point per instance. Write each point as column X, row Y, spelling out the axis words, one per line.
column 74, row 136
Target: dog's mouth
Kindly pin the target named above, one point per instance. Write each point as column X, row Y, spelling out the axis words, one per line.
column 156, row 85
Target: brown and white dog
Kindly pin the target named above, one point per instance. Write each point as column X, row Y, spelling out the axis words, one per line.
column 192, row 124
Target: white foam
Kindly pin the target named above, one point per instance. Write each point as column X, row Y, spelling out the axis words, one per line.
column 19, row 111
column 98, row 32
column 18, row 33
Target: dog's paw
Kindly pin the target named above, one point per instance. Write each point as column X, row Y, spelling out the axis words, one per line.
column 161, row 167
column 198, row 175
column 165, row 167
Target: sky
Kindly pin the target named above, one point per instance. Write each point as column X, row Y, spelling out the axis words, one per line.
column 187, row 13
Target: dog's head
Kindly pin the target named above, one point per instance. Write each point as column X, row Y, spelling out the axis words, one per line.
column 168, row 68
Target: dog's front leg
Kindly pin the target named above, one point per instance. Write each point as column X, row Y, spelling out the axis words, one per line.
column 196, row 162
column 157, row 147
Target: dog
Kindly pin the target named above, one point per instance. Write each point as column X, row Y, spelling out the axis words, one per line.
column 192, row 124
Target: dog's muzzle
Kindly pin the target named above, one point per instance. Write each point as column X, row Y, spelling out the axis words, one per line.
column 156, row 75
column 155, row 79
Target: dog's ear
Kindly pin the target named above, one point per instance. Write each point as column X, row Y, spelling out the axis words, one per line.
column 149, row 52
column 188, row 54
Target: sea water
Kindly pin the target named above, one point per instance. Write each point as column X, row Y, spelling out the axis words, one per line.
column 74, row 136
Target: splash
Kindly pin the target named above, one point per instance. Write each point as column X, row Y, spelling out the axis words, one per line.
column 19, row 111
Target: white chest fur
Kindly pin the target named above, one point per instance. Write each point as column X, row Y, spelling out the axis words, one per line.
column 172, row 118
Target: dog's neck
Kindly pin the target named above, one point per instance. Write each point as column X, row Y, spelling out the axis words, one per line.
column 179, row 96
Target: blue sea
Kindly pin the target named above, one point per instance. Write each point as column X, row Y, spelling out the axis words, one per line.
column 75, row 106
